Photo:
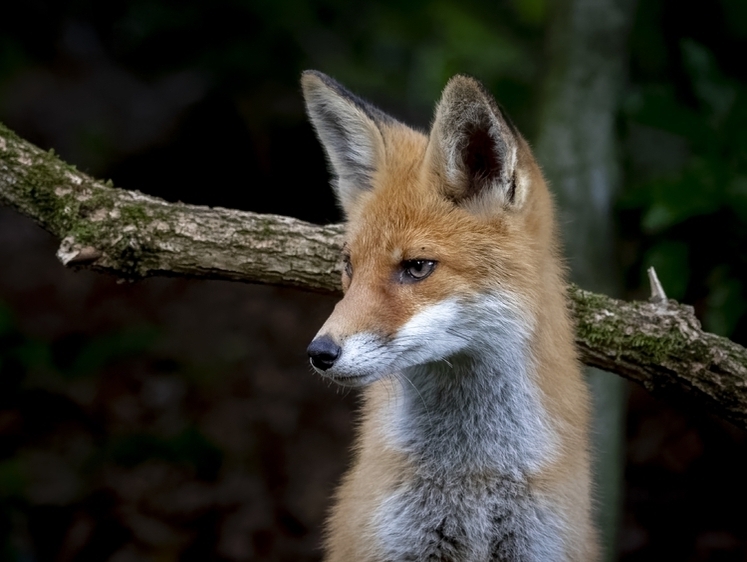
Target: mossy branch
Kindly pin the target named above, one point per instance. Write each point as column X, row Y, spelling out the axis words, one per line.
column 132, row 235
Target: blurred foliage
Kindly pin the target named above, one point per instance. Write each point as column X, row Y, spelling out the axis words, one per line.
column 403, row 51
column 685, row 205
column 189, row 448
column 45, row 415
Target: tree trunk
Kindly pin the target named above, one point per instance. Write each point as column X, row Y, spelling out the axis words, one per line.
column 586, row 56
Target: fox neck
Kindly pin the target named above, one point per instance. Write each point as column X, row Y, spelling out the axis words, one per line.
column 476, row 412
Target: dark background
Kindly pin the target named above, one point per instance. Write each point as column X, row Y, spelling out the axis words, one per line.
column 178, row 420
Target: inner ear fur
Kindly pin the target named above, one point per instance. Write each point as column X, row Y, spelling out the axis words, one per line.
column 473, row 146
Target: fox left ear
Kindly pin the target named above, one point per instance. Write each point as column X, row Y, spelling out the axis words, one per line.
column 350, row 132
column 473, row 147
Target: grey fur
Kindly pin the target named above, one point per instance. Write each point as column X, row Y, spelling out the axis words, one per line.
column 475, row 431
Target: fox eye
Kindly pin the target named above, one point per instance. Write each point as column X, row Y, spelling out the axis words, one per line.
column 416, row 270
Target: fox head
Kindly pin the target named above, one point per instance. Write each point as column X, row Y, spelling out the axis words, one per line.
column 446, row 232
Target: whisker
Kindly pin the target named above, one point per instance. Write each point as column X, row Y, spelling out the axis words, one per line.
column 425, row 406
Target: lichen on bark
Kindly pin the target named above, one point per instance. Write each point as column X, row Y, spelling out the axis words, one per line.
column 662, row 346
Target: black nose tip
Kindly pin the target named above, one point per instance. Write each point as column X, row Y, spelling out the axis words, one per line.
column 323, row 352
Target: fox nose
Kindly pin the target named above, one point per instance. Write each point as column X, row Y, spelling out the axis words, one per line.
column 323, row 352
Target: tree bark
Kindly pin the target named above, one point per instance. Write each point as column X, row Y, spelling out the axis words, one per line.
column 132, row 235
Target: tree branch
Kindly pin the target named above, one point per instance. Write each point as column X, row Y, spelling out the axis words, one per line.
column 126, row 233
column 661, row 345
column 133, row 235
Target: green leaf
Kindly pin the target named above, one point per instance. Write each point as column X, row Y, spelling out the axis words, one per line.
column 712, row 89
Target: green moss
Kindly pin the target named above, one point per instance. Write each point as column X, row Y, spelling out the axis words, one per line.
column 134, row 214
column 264, row 230
column 609, row 332
column 37, row 197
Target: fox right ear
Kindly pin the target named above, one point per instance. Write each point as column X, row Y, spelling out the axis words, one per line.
column 474, row 147
column 348, row 130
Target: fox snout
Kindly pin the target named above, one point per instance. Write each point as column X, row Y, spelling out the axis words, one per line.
column 323, row 352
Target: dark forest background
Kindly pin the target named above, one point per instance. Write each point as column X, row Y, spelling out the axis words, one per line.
column 178, row 420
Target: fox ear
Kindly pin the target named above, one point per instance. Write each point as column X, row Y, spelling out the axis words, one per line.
column 473, row 147
column 348, row 129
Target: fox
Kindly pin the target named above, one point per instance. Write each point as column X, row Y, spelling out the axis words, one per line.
column 473, row 443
